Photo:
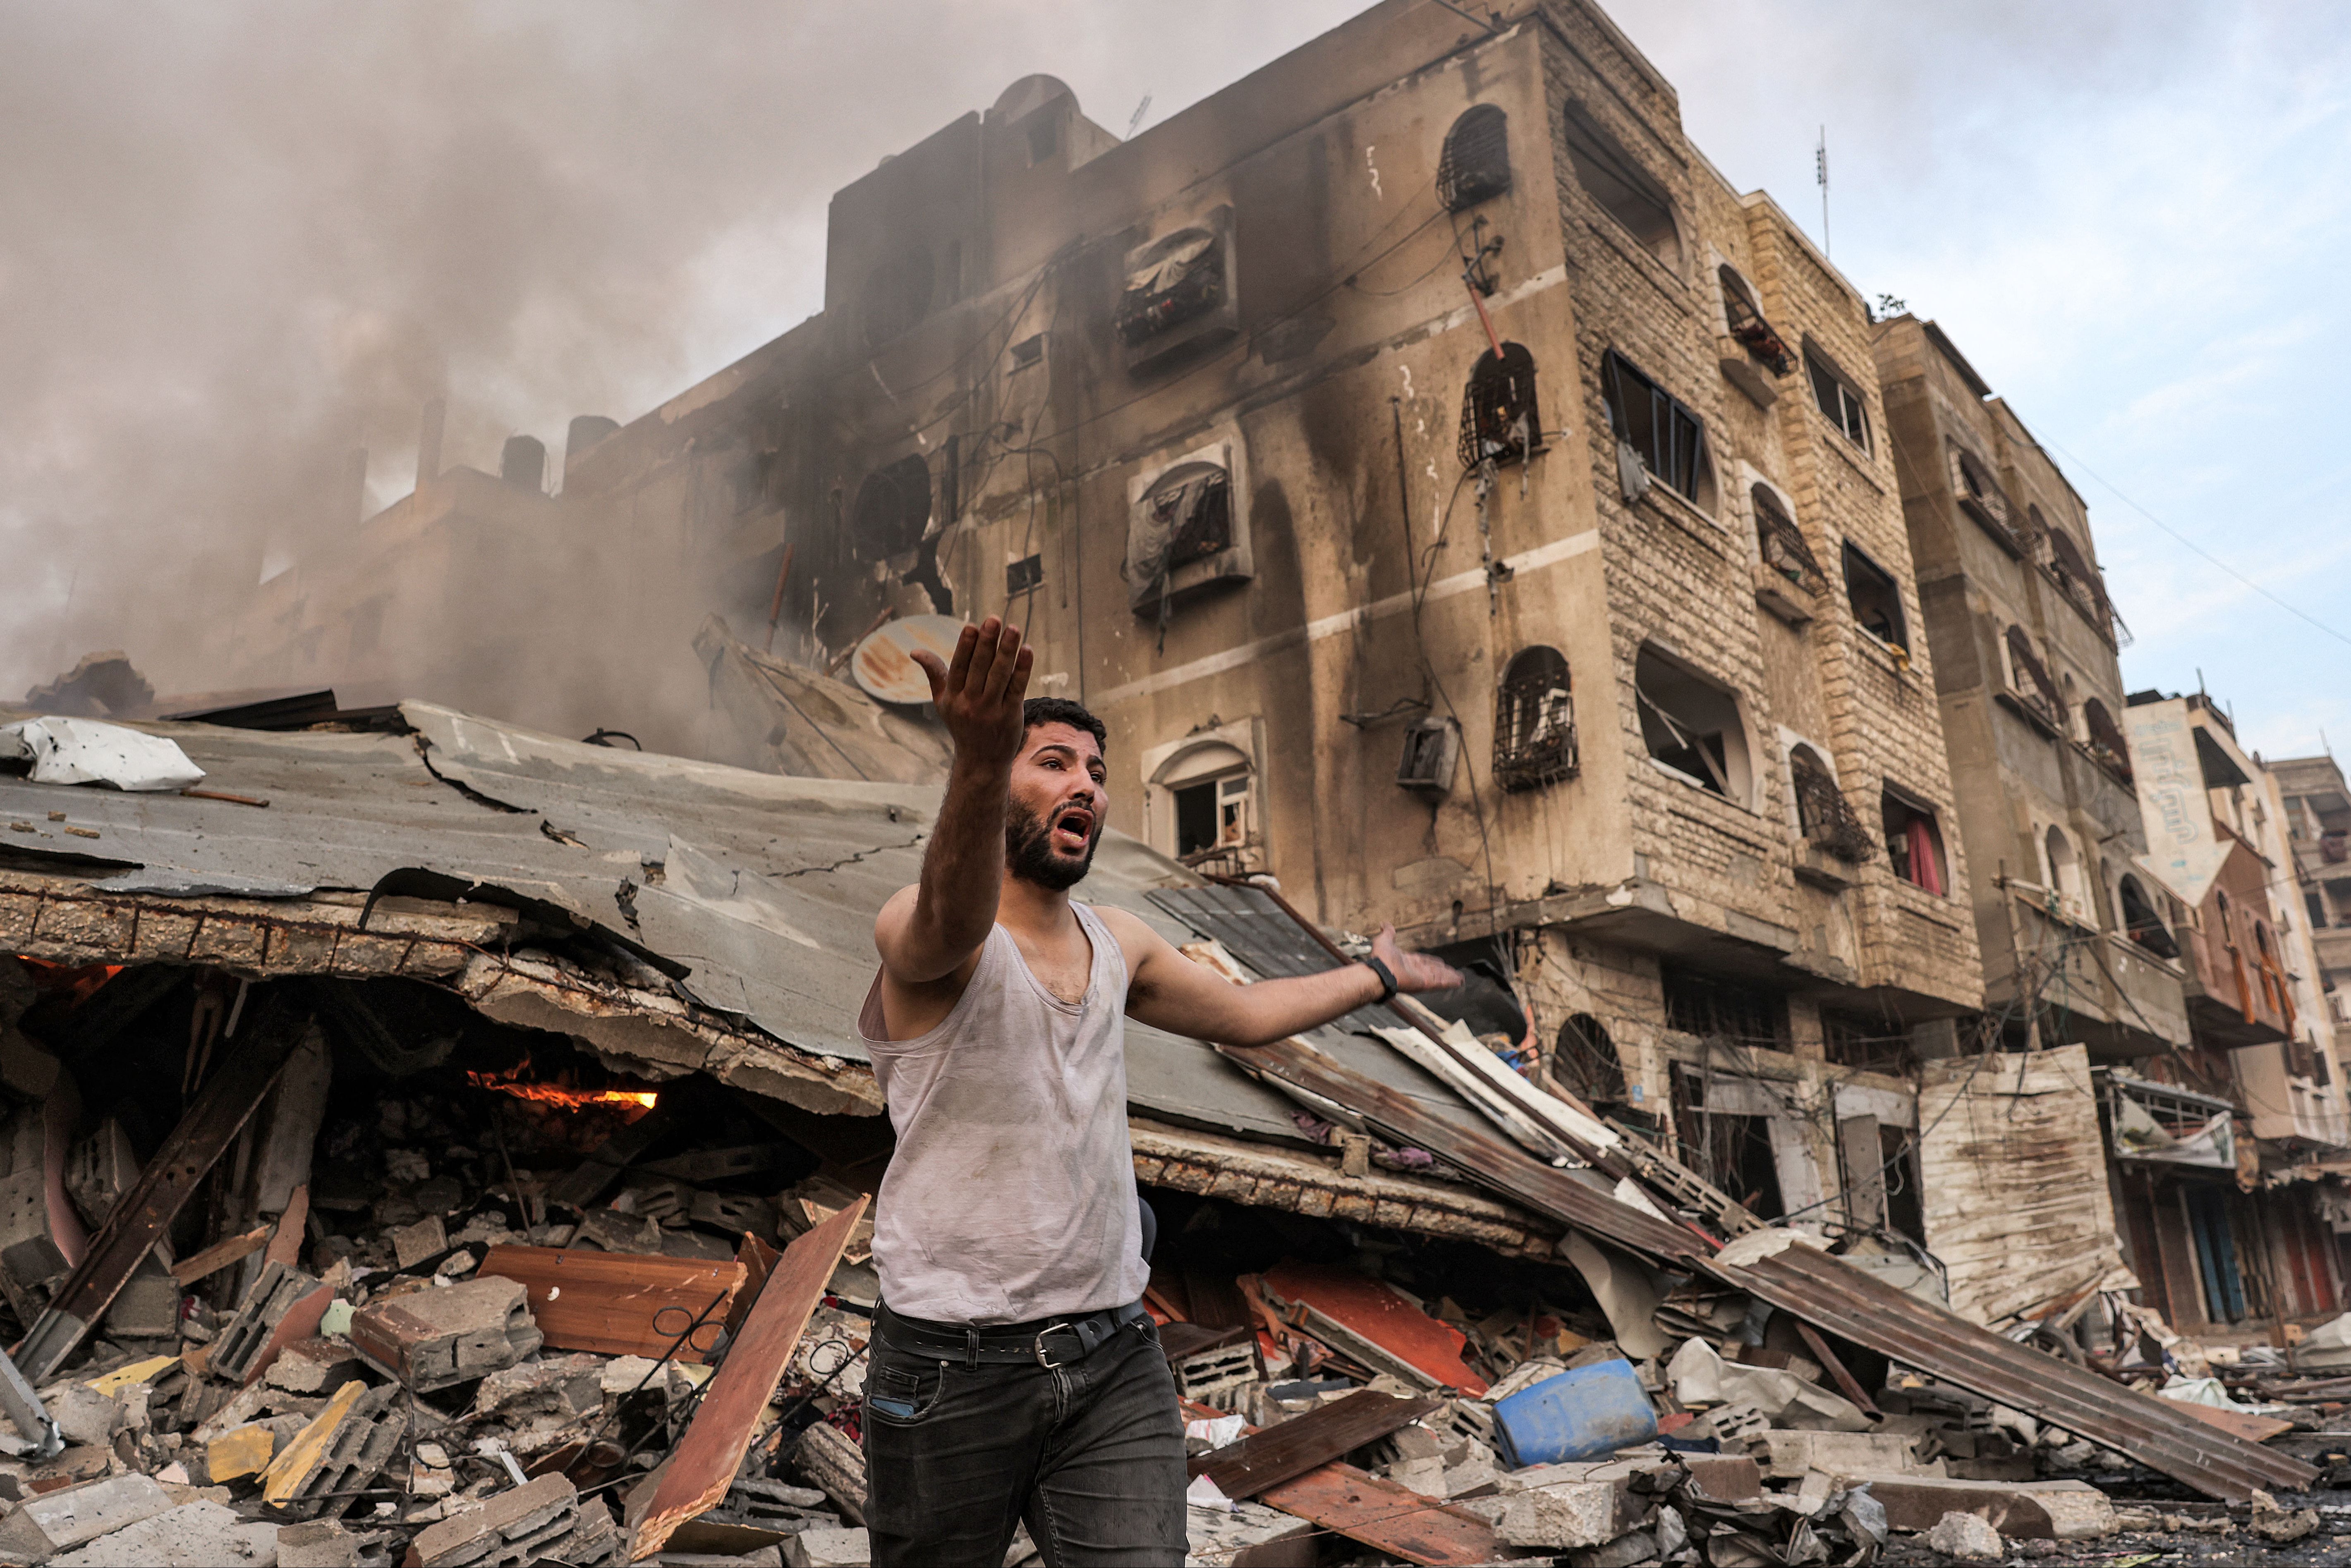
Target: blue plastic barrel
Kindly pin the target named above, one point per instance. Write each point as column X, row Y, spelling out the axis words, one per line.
column 1586, row 1414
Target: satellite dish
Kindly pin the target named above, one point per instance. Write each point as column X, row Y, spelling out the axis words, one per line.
column 883, row 665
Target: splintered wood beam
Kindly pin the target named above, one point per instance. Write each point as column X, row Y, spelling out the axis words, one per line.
column 708, row 1457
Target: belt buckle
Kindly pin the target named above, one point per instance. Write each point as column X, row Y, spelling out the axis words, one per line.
column 1068, row 1328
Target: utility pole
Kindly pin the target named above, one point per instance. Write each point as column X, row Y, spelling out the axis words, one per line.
column 1820, row 174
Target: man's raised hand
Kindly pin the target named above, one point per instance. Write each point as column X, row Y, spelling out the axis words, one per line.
column 1413, row 971
column 978, row 693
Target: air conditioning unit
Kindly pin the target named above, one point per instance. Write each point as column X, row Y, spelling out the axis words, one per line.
column 1177, row 297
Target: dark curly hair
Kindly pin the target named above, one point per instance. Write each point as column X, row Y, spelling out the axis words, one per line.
column 1061, row 710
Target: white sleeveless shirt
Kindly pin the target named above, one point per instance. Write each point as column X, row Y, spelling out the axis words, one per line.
column 1011, row 1195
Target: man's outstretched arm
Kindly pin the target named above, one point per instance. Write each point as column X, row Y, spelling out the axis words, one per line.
column 1170, row 991
column 929, row 931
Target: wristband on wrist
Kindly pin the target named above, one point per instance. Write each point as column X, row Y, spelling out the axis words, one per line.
column 1387, row 977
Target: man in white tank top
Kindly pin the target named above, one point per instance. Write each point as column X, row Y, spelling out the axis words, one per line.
column 1015, row 1373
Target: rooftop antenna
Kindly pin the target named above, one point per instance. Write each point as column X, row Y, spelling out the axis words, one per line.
column 1820, row 174
column 1140, row 111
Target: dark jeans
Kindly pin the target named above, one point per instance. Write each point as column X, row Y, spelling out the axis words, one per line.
column 1090, row 1454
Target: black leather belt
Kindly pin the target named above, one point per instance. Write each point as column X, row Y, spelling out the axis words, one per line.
column 1048, row 1342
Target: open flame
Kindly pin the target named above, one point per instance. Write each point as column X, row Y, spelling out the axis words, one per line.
column 512, row 1082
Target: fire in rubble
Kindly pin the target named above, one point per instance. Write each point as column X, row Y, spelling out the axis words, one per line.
column 517, row 1081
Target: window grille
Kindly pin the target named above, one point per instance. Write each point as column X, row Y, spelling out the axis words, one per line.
column 1476, row 163
column 2077, row 577
column 1782, row 542
column 1667, row 437
column 1180, row 277
column 1748, row 327
column 1980, row 493
column 1828, row 819
column 1501, row 420
column 1534, row 722
column 1586, row 1061
column 2033, row 683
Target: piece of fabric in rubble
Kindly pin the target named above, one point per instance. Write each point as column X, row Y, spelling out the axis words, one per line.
column 85, row 751
column 1701, row 1378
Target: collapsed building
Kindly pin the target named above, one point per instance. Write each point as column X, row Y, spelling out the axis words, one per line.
column 1465, row 509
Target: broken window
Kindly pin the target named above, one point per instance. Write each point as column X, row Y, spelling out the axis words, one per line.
column 2107, row 743
column 1024, row 576
column 1210, row 793
column 1432, row 747
column 1782, row 542
column 1622, row 189
column 893, row 507
column 1499, row 419
column 1667, row 438
column 1043, row 132
column 1534, row 722
column 2028, row 679
column 1029, row 351
column 1865, row 1044
column 1875, row 598
column 1914, row 844
column 1745, row 318
column 1169, row 283
column 1476, row 162
column 1187, row 516
column 1587, row 1064
column 1980, row 493
column 1838, row 397
column 2142, row 922
column 1826, row 817
column 897, row 296
column 1692, row 726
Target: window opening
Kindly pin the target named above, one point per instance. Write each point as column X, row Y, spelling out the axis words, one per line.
column 1028, row 351
column 1906, row 1210
column 1209, row 790
column 2313, row 903
column 897, row 296
column 2141, row 920
column 1623, row 191
column 1476, row 162
column 1730, row 1151
column 1178, row 278
column 1044, row 132
column 1669, row 440
column 1186, row 517
column 1980, row 493
column 1745, row 318
column 1838, row 398
column 1715, row 1009
column 1866, row 1045
column 2077, row 577
column 1692, row 726
column 1782, row 542
column 2031, row 681
column 1024, row 574
column 1875, row 599
column 893, row 507
column 1827, row 818
column 2107, row 743
column 1914, row 844
column 2064, row 870
column 1500, row 418
column 1534, row 722
column 1586, row 1063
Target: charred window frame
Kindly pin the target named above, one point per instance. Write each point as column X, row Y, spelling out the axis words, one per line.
column 1914, row 842
column 1715, row 1009
column 1501, row 418
column 2029, row 678
column 1838, row 396
column 1621, row 187
column 1823, row 815
column 1875, row 599
column 893, row 510
column 1782, row 544
column 2107, row 743
column 1586, row 1063
column 1658, row 428
column 1176, row 278
column 1534, row 722
column 1476, row 163
column 2142, row 922
column 1744, row 317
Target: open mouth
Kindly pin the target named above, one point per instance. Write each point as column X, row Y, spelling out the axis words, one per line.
column 1074, row 830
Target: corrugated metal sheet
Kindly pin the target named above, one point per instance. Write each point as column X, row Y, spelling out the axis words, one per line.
column 1259, row 932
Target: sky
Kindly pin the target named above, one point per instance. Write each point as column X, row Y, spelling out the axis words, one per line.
column 238, row 241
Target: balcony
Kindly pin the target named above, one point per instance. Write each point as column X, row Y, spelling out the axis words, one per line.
column 2332, row 945
column 2283, row 1101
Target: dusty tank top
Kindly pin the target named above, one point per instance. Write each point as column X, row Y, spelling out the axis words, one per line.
column 1011, row 1195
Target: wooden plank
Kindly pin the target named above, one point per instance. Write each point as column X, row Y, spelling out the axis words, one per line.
column 220, row 1255
column 619, row 1304
column 2237, row 1423
column 704, row 1467
column 1386, row 1517
column 1178, row 1340
column 1307, row 1442
column 1847, row 1385
column 1371, row 1311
